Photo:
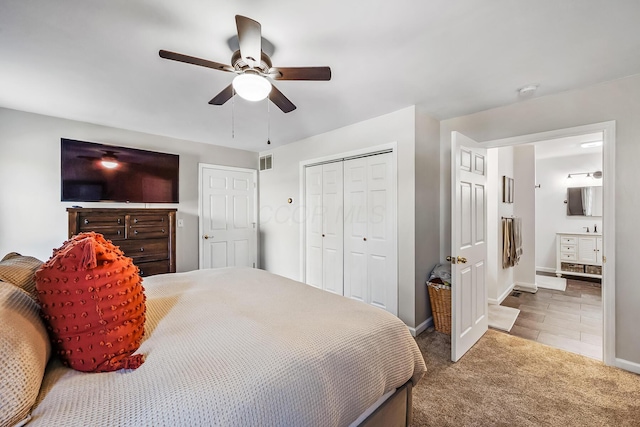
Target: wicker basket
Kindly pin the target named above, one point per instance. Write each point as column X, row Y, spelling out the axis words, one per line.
column 440, row 298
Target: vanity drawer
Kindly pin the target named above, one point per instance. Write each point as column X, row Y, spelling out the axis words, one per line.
column 568, row 240
column 568, row 257
column 570, row 249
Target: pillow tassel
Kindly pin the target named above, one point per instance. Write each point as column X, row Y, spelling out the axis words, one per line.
column 88, row 260
column 133, row 362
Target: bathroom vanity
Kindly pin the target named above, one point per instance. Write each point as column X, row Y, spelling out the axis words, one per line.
column 579, row 254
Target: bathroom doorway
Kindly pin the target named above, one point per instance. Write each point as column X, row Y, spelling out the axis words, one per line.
column 573, row 308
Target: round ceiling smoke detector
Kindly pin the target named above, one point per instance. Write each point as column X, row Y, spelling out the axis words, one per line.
column 528, row 90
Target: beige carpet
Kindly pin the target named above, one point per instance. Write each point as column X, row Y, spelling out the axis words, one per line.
column 509, row 381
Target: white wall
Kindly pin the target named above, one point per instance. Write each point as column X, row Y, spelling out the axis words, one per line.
column 280, row 222
column 499, row 280
column 33, row 220
column 551, row 211
column 524, row 207
column 427, row 209
column 617, row 100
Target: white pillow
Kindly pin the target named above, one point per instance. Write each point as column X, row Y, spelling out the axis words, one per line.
column 24, row 352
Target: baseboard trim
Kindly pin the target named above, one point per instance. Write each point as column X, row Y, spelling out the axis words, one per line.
column 501, row 297
column 546, row 269
column 628, row 366
column 526, row 287
column 421, row 327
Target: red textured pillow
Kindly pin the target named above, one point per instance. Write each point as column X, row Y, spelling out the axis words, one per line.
column 93, row 303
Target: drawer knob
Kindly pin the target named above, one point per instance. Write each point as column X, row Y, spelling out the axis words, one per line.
column 141, row 249
column 86, row 221
column 163, row 231
column 135, row 220
column 119, row 221
column 135, row 231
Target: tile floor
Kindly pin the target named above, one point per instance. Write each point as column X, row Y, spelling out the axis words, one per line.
column 569, row 320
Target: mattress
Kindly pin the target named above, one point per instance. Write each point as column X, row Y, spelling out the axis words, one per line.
column 238, row 347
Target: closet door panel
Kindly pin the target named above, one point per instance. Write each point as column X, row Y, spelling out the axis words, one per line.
column 313, row 226
column 332, row 228
column 381, row 228
column 355, row 229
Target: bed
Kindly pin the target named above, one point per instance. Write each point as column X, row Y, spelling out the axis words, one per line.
column 239, row 347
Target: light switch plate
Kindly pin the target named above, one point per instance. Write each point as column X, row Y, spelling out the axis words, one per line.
column 181, row 223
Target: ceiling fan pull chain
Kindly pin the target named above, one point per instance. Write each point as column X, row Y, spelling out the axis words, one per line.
column 233, row 109
column 268, row 123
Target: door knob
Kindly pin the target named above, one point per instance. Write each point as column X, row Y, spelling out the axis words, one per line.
column 462, row 260
column 458, row 260
column 206, row 236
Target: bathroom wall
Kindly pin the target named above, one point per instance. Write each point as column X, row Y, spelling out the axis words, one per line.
column 499, row 281
column 524, row 156
column 551, row 211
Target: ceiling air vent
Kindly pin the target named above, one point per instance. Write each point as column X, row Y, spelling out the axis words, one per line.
column 265, row 163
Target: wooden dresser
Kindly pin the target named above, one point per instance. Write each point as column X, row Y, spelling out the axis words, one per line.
column 148, row 236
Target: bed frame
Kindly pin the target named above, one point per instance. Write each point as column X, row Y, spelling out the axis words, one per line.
column 396, row 411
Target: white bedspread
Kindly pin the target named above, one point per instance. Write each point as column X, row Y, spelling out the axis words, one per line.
column 241, row 347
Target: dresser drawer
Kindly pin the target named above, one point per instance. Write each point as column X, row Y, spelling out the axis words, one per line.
column 147, row 232
column 567, row 240
column 145, row 250
column 571, row 249
column 110, row 233
column 91, row 222
column 152, row 268
column 148, row 220
column 568, row 257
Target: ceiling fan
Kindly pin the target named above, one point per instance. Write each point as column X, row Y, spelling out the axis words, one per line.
column 109, row 159
column 253, row 68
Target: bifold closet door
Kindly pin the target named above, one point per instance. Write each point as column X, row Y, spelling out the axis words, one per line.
column 370, row 254
column 324, row 227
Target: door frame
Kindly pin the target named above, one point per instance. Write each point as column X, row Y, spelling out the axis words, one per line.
column 608, row 129
column 392, row 147
column 254, row 173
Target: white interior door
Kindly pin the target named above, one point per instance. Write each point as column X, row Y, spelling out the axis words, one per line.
column 332, row 228
column 228, row 233
column 371, row 273
column 468, row 244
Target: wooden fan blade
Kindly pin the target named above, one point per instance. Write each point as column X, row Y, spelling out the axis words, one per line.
column 223, row 96
column 281, row 101
column 195, row 61
column 249, row 39
column 300, row 73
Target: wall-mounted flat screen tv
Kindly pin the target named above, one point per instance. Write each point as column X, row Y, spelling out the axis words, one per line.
column 94, row 172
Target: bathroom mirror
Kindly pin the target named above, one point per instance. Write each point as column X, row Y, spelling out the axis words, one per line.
column 584, row 201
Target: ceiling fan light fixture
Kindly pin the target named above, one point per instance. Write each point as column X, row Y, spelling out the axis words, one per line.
column 109, row 162
column 251, row 87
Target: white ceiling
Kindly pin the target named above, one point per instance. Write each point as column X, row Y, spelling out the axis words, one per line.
column 567, row 146
column 97, row 60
